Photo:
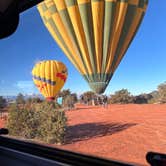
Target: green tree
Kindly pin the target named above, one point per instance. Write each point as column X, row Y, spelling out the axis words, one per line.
column 155, row 97
column 42, row 121
column 74, row 97
column 34, row 100
column 142, row 98
column 70, row 100
column 88, row 96
column 121, row 97
column 20, row 99
column 162, row 93
column 29, row 100
column 64, row 93
column 2, row 102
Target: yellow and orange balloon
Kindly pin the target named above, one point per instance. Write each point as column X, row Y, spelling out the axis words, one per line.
column 94, row 34
column 49, row 77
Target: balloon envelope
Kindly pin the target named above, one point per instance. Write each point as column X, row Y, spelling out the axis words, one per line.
column 94, row 34
column 49, row 77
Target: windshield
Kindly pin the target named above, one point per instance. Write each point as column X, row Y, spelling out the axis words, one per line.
column 87, row 77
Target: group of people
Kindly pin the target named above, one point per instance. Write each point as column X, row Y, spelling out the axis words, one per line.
column 97, row 100
column 101, row 100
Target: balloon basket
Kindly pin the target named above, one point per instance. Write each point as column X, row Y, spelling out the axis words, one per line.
column 50, row 99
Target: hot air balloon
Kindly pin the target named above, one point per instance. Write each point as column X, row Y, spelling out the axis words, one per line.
column 49, row 77
column 94, row 34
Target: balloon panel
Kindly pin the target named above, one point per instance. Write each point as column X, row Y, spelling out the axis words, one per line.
column 94, row 34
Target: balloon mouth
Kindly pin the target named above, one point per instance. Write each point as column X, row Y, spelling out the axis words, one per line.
column 98, row 87
column 98, row 82
column 50, row 98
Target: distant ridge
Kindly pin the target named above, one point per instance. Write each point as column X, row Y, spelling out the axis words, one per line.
column 26, row 96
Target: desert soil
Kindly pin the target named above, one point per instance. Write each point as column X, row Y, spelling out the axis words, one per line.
column 119, row 132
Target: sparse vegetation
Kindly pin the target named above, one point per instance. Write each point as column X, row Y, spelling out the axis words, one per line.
column 41, row 121
column 162, row 93
column 70, row 100
column 20, row 99
column 37, row 119
column 2, row 102
column 121, row 97
column 34, row 100
column 87, row 97
column 143, row 98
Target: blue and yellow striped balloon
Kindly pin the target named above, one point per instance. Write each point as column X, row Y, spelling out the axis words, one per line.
column 49, row 77
column 94, row 34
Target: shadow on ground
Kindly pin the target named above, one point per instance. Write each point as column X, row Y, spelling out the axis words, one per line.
column 87, row 131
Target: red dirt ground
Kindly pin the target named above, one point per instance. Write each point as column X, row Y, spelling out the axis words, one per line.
column 120, row 132
column 3, row 118
column 2, row 123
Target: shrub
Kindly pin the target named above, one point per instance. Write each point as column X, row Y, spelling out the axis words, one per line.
column 22, row 122
column 162, row 93
column 40, row 121
column 87, row 97
column 3, row 102
column 121, row 97
column 69, row 102
column 20, row 99
column 34, row 100
column 53, row 123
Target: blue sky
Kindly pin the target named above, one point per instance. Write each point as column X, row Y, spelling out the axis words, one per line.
column 142, row 69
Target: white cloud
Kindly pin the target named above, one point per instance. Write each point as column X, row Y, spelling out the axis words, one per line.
column 25, row 86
